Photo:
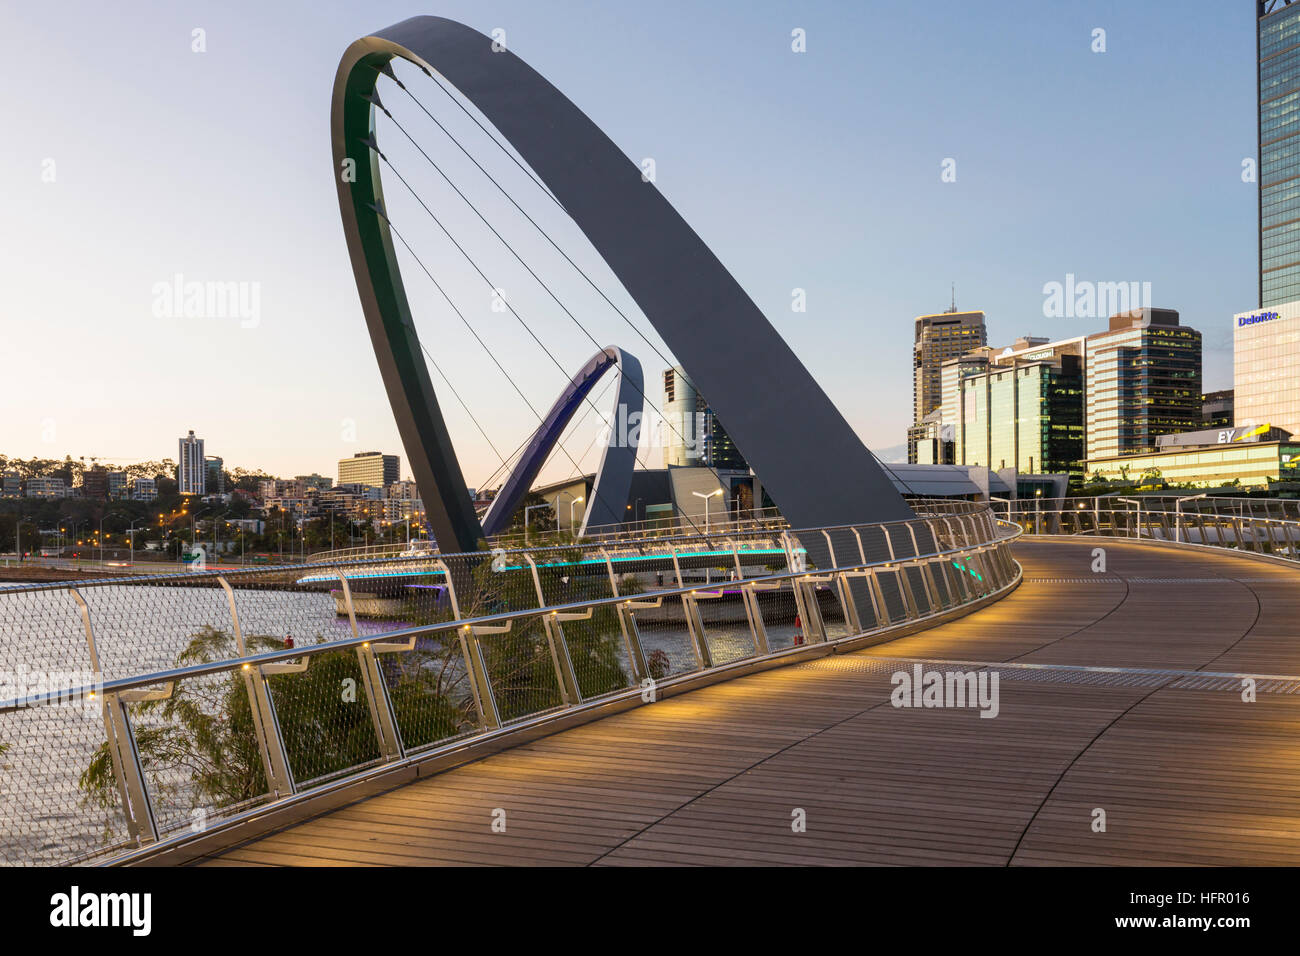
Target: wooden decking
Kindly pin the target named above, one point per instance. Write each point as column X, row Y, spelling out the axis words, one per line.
column 1184, row 775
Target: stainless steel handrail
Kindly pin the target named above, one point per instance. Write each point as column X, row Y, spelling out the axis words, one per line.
column 271, row 657
column 972, row 542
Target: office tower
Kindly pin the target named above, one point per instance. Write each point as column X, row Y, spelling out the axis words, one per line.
column 369, row 468
column 1018, row 408
column 938, row 339
column 692, row 433
column 1278, row 85
column 1266, row 367
column 191, row 472
column 1143, row 380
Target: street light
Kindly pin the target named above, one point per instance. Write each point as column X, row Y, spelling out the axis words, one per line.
column 131, row 532
column 111, row 514
column 1178, row 516
column 711, row 494
column 572, row 501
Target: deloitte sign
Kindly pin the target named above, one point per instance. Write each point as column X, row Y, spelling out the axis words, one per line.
column 1255, row 318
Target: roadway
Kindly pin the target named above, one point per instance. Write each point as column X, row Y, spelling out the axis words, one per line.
column 1185, row 771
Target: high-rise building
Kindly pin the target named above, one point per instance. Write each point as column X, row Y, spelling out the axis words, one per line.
column 938, row 339
column 191, row 472
column 1018, row 408
column 1266, row 367
column 1278, row 85
column 694, row 436
column 214, row 476
column 369, row 468
column 1143, row 380
column 1217, row 409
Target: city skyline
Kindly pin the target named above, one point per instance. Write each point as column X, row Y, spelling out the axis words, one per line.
column 879, row 207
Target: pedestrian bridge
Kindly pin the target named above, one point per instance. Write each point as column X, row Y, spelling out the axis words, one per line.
column 706, row 703
column 1120, row 691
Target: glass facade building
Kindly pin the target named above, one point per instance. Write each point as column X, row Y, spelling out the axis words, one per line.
column 1279, row 151
column 693, row 435
column 1023, row 409
column 1143, row 381
column 1266, row 367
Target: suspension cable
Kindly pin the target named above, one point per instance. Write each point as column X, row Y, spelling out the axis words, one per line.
column 543, row 232
column 438, row 286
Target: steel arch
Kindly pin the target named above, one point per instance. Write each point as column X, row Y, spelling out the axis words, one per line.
column 809, row 458
column 609, row 494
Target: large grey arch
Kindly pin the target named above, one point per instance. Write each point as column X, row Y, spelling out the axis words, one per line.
column 614, row 474
column 814, row 465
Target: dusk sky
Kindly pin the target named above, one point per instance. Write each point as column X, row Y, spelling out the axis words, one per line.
column 818, row 171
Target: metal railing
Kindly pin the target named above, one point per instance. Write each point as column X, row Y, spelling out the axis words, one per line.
column 768, row 519
column 158, row 708
column 1261, row 525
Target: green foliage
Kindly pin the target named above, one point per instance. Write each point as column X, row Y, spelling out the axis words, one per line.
column 200, row 739
column 199, row 748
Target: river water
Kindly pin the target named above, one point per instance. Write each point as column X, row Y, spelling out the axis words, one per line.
column 44, row 814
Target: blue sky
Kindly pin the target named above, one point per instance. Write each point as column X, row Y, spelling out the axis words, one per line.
column 818, row 171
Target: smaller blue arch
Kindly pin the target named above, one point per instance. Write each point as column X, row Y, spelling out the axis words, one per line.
column 609, row 493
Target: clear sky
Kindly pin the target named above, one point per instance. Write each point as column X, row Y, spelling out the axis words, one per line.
column 819, row 171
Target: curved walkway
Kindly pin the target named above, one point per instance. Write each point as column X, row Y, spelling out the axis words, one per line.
column 1183, row 769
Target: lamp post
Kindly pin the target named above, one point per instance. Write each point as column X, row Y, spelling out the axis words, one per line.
column 572, row 501
column 131, row 532
column 1178, row 515
column 706, row 497
column 102, row 519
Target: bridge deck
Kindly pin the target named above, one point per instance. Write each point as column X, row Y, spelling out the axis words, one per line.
column 1184, row 775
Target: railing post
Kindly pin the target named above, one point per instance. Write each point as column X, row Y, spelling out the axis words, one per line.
column 627, row 625
column 266, row 725
column 128, row 770
column 694, row 623
column 749, row 598
column 927, row 580
column 485, row 703
column 563, row 664
column 377, row 698
column 900, row 574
